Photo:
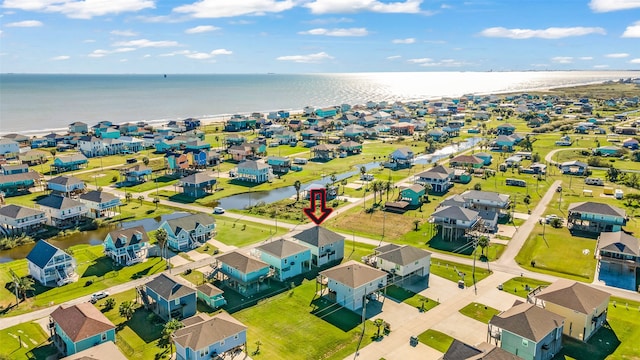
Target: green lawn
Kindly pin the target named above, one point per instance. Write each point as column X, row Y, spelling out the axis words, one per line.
column 455, row 271
column 408, row 297
column 436, row 339
column 34, row 342
column 241, row 233
column 480, row 312
column 518, row 285
column 293, row 325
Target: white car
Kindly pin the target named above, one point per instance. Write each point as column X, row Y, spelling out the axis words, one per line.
column 99, row 295
column 218, row 210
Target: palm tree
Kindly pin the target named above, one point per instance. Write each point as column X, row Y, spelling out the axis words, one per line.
column 297, row 185
column 388, row 186
column 145, row 161
column 141, row 199
column 363, row 170
column 258, row 343
column 483, row 242
column 378, row 323
column 375, row 186
column 416, row 223
column 126, row 309
column 22, row 285
column 128, row 196
column 333, row 178
column 344, row 183
column 169, row 328
column 109, row 304
column 162, row 237
column 156, row 200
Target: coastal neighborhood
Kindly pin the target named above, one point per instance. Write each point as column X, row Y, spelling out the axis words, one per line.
column 496, row 226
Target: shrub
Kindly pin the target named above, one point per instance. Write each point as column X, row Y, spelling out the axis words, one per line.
column 477, row 187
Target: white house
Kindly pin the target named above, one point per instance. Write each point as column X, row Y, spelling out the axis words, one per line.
column 405, row 261
column 350, row 282
column 189, row 232
column 51, row 266
column 205, row 337
column 325, row 245
column 16, row 219
column 61, row 211
column 438, row 178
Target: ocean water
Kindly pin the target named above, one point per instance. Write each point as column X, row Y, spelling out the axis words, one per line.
column 36, row 103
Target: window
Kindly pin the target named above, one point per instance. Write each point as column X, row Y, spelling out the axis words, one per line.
column 221, row 342
column 103, row 337
column 236, row 336
column 176, row 302
column 204, row 352
column 525, row 342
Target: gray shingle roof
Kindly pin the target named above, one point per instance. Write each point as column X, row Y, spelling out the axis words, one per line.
column 18, row 212
column 404, row 255
column 200, row 178
column 353, row 274
column 618, row 241
column 282, row 248
column 209, row 289
column 456, row 212
column 318, row 236
column 190, row 222
column 573, row 295
column 58, row 202
column 253, row 165
column 170, row 287
column 125, row 237
column 65, row 180
column 241, row 262
column 597, row 208
column 41, row 253
column 210, row 331
column 98, row 196
column 484, row 195
column 528, row 321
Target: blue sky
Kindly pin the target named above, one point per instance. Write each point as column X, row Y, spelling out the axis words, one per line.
column 311, row 36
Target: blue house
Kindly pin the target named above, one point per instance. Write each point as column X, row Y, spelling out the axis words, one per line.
column 189, row 232
column 631, row 143
column 191, row 124
column 286, row 258
column 205, row 337
column 595, row 217
column 505, row 129
column 7, row 169
column 240, row 123
column 197, row 145
column 198, row 184
column 128, row 128
column 353, row 131
column 502, row 143
column 437, row 135
column 75, row 328
column 169, row 297
column 165, row 145
column 136, row 174
column 486, row 157
column 127, row 246
column 78, row 127
column 211, row 295
column 253, row 171
column 110, row 133
column 413, row 194
column 607, row 151
column 69, row 162
column 244, row 273
column 401, row 158
column 279, row 164
column 326, row 112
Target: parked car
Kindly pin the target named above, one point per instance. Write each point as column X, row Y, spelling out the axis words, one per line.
column 218, row 210
column 97, row 296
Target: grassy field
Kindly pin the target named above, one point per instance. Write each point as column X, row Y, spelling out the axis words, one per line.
column 454, row 271
column 418, row 301
column 241, row 233
column 436, row 339
column 311, row 329
column 480, row 312
column 518, row 285
column 34, row 342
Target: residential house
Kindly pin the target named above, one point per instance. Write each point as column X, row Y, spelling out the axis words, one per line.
column 100, row 203
column 324, row 152
column 51, row 266
column 616, row 251
column 413, row 194
column 62, row 212
column 198, row 184
column 76, row 328
column 22, row 140
column 285, row 257
column 437, row 135
column 438, row 179
column 402, row 129
column 131, row 144
column 179, row 163
column 401, row 158
column 583, row 307
column 197, row 145
column 353, row 131
column 7, row 169
column 350, row 147
column 326, row 246
column 17, row 219
column 454, row 222
column 127, row 246
column 631, row 143
column 169, row 297
column 9, row 149
column 528, row 331
column 348, row 284
column 240, row 123
column 331, row 190
column 467, row 162
column 69, row 162
column 505, row 129
column 503, row 143
column 483, row 351
column 66, row 186
column 16, row 183
column 205, row 337
column 34, row 157
column 253, row 171
column 90, row 146
column 110, row 133
column 78, row 127
column 105, row 351
column 165, row 145
column 211, row 295
column 136, row 174
column 279, row 164
column 486, row 157
column 595, row 217
column 574, row 167
column 189, row 232
column 244, row 273
column 607, row 151
column 326, row 112
column 404, row 261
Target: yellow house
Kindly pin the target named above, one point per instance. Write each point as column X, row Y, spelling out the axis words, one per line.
column 584, row 307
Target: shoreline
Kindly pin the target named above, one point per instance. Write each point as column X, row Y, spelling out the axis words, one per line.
column 221, row 118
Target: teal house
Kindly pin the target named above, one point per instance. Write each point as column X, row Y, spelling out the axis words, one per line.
column 437, row 135
column 326, row 112
column 18, row 182
column 286, row 258
column 240, row 123
column 486, row 157
column 595, row 217
column 528, row 331
column 169, row 297
column 607, row 151
column 505, row 129
column 110, row 133
column 413, row 194
column 279, row 164
column 127, row 246
column 168, row 145
column 353, row 131
column 211, row 295
column 245, row 274
column 253, row 171
column 503, row 142
column 69, row 162
column 75, row 328
column 197, row 145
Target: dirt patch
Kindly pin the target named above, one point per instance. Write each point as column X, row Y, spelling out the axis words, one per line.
column 395, row 225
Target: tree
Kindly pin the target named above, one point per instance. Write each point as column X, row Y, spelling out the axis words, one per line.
column 141, row 199
column 388, row 186
column 109, row 304
column 613, row 174
column 344, row 183
column 145, row 161
column 297, row 185
column 333, row 178
column 483, row 242
column 378, row 323
column 128, row 196
column 22, row 285
column 156, row 201
column 162, row 237
column 126, row 309
column 258, row 343
column 363, row 170
column 169, row 328
column 416, row 224
column 375, row 187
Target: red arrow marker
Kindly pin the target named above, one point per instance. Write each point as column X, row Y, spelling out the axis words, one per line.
column 321, row 195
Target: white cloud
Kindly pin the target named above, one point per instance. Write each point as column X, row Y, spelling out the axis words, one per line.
column 80, row 9
column 144, row 43
column 562, row 59
column 25, row 23
column 548, row 33
column 394, row 57
column 230, row 8
column 310, row 58
column 102, row 53
column 600, row 66
column 613, row 5
column 122, row 50
column 174, row 53
column 586, row 58
column 354, row 6
column 336, row 32
column 201, row 29
column 420, row 60
column 221, row 52
column 123, row 33
column 632, row 31
column 199, row 55
column 330, row 21
column 635, row 61
column 617, row 55
column 404, row 41
column 446, row 6
column 540, row 65
column 61, row 57
column 428, row 62
column 147, row 56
